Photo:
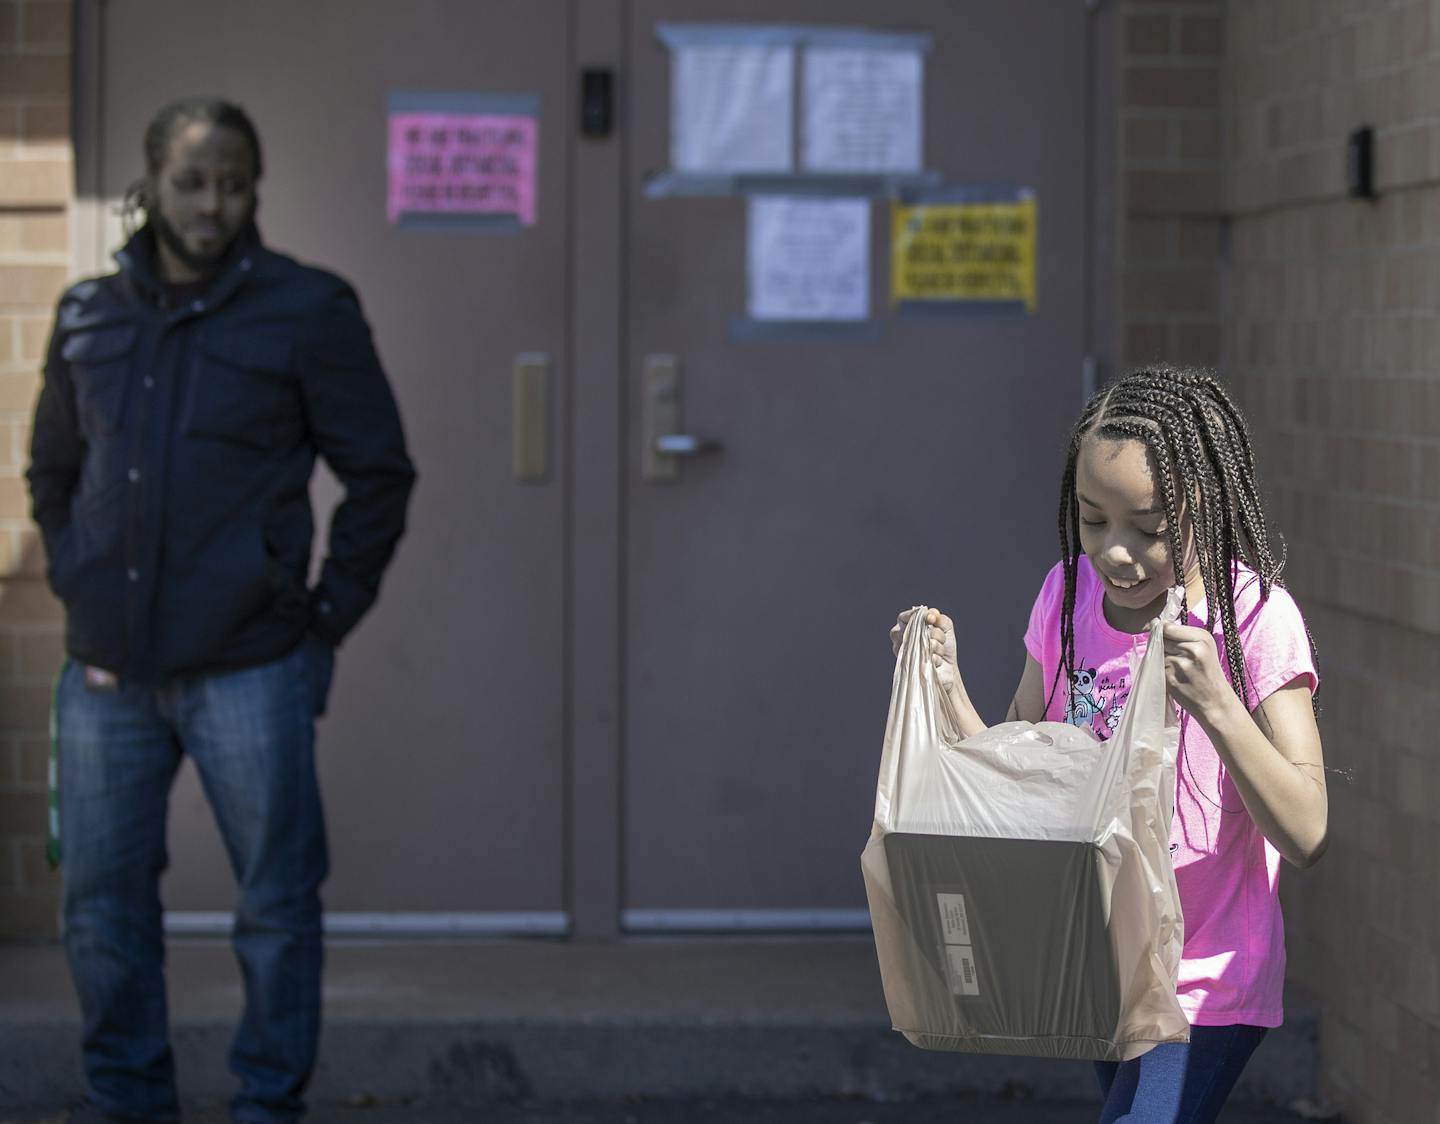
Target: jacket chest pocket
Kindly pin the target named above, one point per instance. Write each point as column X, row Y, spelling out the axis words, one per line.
column 241, row 389
column 100, row 362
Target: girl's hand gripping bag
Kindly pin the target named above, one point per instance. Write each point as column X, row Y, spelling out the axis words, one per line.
column 1019, row 881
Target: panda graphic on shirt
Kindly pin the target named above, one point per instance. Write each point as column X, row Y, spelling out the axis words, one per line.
column 1096, row 702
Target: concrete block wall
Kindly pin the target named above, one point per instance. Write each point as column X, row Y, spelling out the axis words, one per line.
column 35, row 265
column 1333, row 336
column 1169, row 150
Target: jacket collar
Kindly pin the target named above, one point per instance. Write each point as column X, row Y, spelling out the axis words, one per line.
column 138, row 261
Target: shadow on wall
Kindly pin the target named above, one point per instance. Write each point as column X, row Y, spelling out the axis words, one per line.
column 31, row 651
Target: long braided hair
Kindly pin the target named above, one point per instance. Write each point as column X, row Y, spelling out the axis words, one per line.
column 215, row 111
column 1205, row 469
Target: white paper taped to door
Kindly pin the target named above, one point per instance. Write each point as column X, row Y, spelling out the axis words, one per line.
column 1019, row 881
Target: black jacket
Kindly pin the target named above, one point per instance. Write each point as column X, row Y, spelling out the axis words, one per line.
column 171, row 458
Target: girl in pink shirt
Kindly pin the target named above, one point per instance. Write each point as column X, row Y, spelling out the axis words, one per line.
column 1159, row 489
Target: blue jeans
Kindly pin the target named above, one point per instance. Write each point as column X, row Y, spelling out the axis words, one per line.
column 1178, row 1082
column 251, row 735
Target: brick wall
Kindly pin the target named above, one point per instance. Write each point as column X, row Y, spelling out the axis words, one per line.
column 1168, row 146
column 35, row 189
column 1334, row 344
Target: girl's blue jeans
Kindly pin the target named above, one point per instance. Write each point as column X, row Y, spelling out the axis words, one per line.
column 250, row 734
column 1178, row 1082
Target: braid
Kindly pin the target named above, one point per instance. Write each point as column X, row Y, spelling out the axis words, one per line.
column 1070, row 540
column 133, row 206
column 1205, row 469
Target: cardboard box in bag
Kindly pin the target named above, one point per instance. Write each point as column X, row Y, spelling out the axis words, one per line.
column 1019, row 881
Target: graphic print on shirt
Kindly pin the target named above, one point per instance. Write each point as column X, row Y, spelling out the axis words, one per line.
column 1097, row 701
column 1091, row 706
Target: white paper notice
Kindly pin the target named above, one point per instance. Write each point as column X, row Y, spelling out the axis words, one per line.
column 862, row 110
column 809, row 258
column 731, row 108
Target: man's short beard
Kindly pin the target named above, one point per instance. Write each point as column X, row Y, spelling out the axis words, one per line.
column 201, row 263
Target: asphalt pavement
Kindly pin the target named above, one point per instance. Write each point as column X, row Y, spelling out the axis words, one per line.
column 940, row 1110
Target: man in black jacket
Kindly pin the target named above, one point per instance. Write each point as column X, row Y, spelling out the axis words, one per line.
column 186, row 398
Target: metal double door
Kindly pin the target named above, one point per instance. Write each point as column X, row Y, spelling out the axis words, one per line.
column 590, row 700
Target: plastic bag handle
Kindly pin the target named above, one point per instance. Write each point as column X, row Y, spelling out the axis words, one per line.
column 914, row 643
column 911, row 676
column 1143, row 686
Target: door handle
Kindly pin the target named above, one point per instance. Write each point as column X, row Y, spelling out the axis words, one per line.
column 530, row 418
column 663, row 444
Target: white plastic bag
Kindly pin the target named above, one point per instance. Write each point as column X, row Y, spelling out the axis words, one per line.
column 1019, row 881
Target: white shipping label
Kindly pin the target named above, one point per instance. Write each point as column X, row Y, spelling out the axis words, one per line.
column 954, row 924
column 964, row 978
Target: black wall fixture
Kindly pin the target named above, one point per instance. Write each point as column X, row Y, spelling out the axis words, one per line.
column 1360, row 163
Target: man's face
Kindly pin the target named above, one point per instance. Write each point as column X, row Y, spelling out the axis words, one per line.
column 204, row 196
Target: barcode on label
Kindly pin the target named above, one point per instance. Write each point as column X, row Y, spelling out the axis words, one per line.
column 964, row 979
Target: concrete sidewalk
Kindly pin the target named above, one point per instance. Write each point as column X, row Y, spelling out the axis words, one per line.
column 514, row 1022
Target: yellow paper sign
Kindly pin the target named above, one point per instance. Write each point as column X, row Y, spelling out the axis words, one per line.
column 964, row 252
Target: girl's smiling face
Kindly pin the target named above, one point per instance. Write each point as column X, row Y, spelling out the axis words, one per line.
column 1124, row 531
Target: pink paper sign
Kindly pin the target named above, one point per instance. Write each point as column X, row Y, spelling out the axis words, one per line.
column 462, row 163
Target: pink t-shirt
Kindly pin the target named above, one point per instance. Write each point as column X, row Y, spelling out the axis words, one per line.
column 1233, row 966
